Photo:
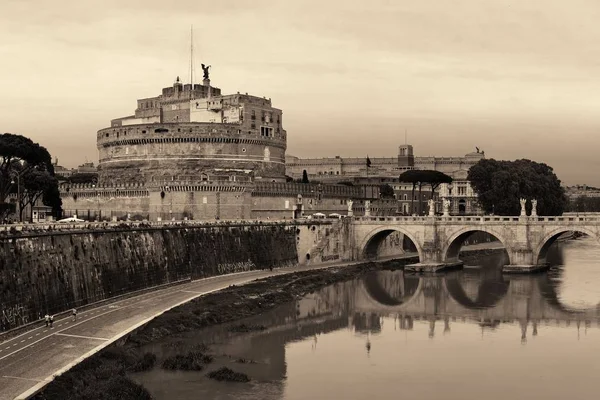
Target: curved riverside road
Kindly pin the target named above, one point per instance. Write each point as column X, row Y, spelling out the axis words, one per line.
column 30, row 361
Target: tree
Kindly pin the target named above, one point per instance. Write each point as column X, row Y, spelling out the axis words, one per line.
column 18, row 153
column 304, row 177
column 501, row 184
column 435, row 179
column 412, row 176
column 418, row 178
column 386, row 191
column 19, row 158
column 38, row 183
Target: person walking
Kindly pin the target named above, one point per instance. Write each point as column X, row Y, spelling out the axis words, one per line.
column 47, row 319
column 51, row 320
column 74, row 312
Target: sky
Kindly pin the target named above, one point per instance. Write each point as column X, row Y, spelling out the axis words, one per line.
column 518, row 79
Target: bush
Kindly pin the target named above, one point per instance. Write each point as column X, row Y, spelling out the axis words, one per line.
column 192, row 361
column 228, row 375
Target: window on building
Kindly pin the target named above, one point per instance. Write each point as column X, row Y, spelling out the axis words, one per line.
column 266, row 131
column 253, row 126
column 253, row 115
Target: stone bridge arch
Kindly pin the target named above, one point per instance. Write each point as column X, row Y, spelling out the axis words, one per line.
column 372, row 240
column 451, row 247
column 540, row 249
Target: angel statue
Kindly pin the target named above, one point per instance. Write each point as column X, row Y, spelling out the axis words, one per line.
column 523, row 202
column 205, row 70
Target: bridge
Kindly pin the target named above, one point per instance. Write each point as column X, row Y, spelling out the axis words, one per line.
column 438, row 239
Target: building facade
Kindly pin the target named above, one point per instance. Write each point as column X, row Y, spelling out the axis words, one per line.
column 386, row 170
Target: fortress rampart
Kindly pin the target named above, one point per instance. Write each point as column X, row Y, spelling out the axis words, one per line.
column 187, row 151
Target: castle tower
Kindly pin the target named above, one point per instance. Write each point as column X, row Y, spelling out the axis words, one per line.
column 405, row 156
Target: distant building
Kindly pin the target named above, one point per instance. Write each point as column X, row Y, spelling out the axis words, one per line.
column 386, row 170
column 574, row 192
column 85, row 168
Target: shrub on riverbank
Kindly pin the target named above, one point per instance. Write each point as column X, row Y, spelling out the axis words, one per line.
column 101, row 377
column 192, row 361
column 228, row 375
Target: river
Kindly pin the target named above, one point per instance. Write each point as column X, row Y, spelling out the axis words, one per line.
column 469, row 334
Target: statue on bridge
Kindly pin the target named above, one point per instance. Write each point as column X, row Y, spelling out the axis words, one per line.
column 349, row 203
column 367, row 208
column 431, row 204
column 523, row 212
column 446, row 204
column 534, row 208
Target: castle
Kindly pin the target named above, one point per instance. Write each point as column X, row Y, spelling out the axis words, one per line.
column 193, row 152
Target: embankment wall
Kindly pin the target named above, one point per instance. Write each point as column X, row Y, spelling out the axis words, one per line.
column 53, row 272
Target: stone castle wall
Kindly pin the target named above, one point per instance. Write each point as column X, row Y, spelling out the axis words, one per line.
column 55, row 272
column 158, row 153
column 209, row 200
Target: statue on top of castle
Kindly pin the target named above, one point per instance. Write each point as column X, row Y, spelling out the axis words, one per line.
column 205, row 70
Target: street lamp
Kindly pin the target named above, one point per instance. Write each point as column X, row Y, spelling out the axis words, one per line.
column 18, row 175
column 170, row 203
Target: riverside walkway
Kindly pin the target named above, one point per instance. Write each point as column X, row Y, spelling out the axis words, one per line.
column 30, row 361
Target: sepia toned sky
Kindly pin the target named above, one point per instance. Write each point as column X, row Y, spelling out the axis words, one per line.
column 519, row 79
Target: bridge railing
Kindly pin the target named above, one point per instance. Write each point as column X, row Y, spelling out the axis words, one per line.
column 34, row 228
column 479, row 219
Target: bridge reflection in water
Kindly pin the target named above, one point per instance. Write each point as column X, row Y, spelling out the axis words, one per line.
column 306, row 341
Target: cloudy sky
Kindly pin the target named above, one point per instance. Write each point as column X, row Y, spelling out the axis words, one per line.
column 519, row 79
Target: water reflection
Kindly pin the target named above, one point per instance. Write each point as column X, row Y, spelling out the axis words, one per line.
column 363, row 338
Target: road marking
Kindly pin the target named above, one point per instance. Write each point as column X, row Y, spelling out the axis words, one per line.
column 22, row 341
column 190, row 291
column 30, row 337
column 24, row 379
column 81, row 337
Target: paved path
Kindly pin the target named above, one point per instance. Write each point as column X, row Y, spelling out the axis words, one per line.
column 29, row 361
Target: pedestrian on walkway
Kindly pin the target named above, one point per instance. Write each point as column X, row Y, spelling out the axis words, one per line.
column 51, row 320
column 74, row 312
column 47, row 319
